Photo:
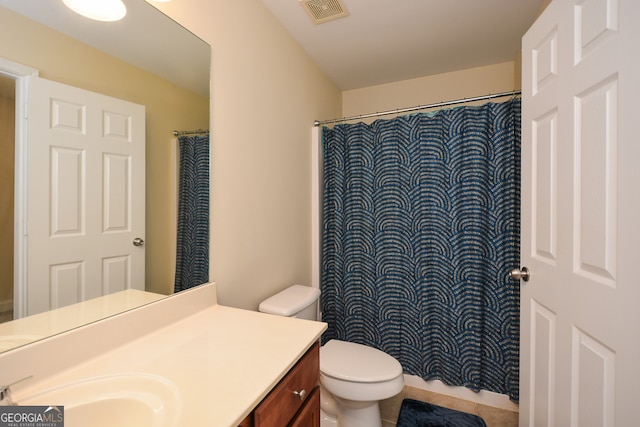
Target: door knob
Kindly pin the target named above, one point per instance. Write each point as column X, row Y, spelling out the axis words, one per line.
column 138, row 242
column 520, row 274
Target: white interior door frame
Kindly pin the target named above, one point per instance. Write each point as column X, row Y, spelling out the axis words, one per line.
column 20, row 73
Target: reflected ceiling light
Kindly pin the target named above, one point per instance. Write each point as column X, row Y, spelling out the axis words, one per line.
column 100, row 10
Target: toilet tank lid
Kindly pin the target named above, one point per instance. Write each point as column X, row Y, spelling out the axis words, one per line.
column 290, row 301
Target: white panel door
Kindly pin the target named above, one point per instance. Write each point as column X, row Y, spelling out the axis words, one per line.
column 86, row 197
column 580, row 312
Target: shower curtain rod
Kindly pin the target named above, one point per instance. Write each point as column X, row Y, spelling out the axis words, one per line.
column 190, row 132
column 419, row 107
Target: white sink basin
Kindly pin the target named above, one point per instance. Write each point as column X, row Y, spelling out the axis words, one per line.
column 126, row 400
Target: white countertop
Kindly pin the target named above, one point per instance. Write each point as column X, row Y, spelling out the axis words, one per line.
column 222, row 360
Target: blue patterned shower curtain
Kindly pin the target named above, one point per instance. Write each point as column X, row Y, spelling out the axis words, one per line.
column 192, row 257
column 421, row 226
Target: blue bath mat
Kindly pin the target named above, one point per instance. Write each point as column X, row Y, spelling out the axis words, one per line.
column 414, row 413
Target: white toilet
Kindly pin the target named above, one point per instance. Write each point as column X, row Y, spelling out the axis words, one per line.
column 353, row 377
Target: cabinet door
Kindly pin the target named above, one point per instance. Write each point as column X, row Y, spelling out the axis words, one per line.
column 287, row 398
column 309, row 415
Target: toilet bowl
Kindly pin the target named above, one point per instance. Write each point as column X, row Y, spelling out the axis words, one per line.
column 353, row 377
column 358, row 377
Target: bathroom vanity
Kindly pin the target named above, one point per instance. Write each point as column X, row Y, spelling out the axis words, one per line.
column 180, row 361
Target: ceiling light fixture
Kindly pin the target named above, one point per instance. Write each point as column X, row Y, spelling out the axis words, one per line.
column 99, row 10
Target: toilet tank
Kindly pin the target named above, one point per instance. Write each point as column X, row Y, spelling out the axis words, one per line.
column 295, row 301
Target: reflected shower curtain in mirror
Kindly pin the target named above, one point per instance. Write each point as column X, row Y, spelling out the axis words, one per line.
column 420, row 229
column 192, row 257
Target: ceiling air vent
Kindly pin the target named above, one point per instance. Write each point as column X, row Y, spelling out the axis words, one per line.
column 324, row 10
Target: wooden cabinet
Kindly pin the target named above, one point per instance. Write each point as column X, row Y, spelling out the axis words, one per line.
column 295, row 401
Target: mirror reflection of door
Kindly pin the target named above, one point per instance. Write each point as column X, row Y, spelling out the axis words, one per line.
column 86, row 203
column 7, row 138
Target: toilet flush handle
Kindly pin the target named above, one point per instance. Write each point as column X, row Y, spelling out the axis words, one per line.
column 301, row 394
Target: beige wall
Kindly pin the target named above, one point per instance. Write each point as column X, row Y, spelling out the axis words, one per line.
column 266, row 93
column 168, row 107
column 432, row 89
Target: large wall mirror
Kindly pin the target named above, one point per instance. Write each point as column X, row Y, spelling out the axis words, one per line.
column 145, row 58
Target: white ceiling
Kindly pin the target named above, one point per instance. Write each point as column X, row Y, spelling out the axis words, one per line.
column 383, row 41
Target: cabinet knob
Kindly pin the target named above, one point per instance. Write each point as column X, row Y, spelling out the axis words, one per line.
column 301, row 394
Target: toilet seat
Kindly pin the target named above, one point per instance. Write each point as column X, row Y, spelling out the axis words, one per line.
column 357, row 363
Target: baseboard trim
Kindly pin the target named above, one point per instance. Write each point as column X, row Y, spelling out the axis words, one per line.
column 483, row 397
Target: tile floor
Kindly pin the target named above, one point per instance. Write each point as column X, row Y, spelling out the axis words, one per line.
column 494, row 417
